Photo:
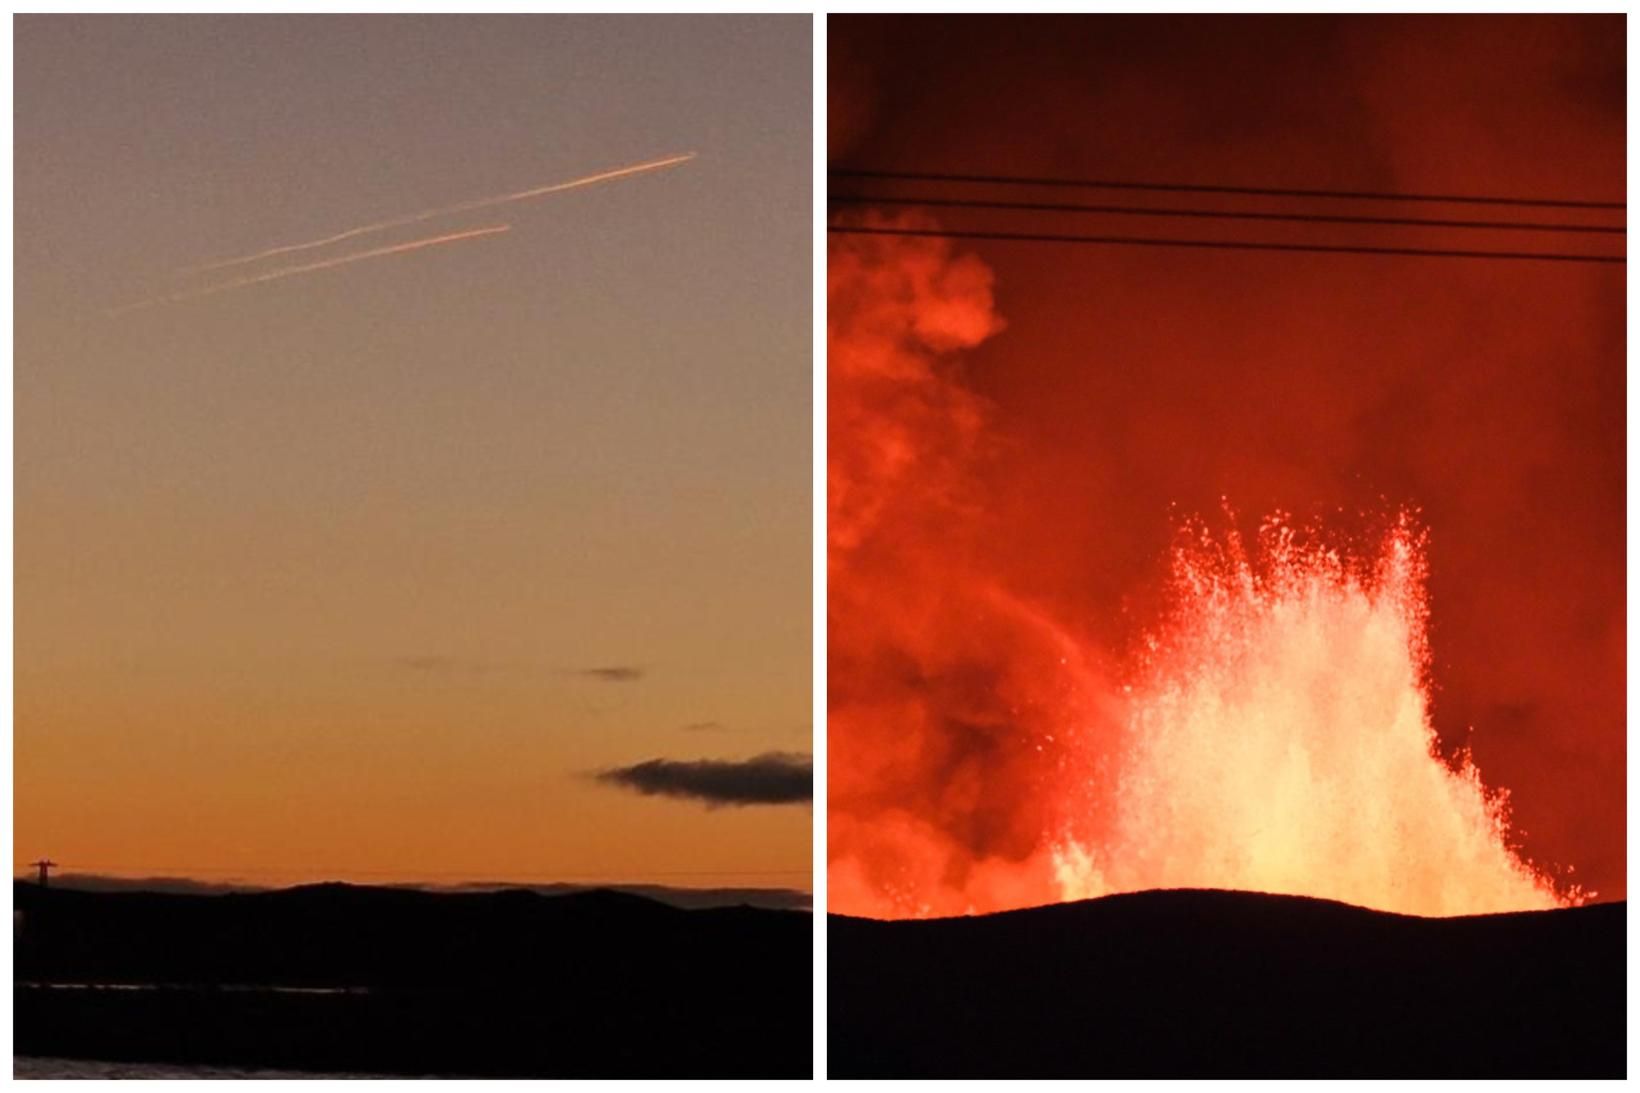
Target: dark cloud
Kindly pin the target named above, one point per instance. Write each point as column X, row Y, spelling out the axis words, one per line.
column 773, row 778
column 704, row 726
column 613, row 673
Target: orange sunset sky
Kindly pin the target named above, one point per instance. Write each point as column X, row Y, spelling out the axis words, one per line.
column 364, row 573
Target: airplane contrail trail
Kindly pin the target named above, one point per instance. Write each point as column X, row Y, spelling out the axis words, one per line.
column 292, row 271
column 447, row 210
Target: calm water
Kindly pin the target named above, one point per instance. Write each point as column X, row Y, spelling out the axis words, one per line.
column 30, row 1066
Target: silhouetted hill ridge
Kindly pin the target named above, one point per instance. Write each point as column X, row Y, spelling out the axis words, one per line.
column 357, row 935
column 358, row 978
column 1197, row 982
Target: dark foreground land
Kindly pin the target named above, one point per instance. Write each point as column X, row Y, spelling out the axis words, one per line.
column 343, row 978
column 1222, row 984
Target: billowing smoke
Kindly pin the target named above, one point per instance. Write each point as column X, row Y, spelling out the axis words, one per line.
column 1270, row 732
column 951, row 700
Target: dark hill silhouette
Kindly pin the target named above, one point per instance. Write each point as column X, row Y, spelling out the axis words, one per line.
column 595, row 983
column 789, row 899
column 1223, row 984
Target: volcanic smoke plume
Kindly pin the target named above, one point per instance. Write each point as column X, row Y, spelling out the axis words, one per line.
column 1268, row 729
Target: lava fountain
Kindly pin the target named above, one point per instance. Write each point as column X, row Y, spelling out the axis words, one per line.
column 1278, row 739
column 1270, row 732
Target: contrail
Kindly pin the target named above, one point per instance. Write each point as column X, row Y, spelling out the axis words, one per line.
column 465, row 206
column 292, row 271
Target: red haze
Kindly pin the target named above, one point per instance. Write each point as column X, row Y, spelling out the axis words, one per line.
column 1013, row 502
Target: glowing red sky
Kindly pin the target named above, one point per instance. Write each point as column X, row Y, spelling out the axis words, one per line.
column 1129, row 386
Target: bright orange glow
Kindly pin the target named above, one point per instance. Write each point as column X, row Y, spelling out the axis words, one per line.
column 1279, row 740
column 1269, row 730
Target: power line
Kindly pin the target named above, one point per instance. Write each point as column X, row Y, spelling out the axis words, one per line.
column 1219, row 244
column 1259, row 191
column 1217, row 214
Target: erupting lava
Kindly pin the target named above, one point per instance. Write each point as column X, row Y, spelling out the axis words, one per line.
column 1273, row 733
column 1279, row 740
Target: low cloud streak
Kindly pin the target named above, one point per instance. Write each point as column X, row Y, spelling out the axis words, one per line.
column 613, row 673
column 773, row 778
